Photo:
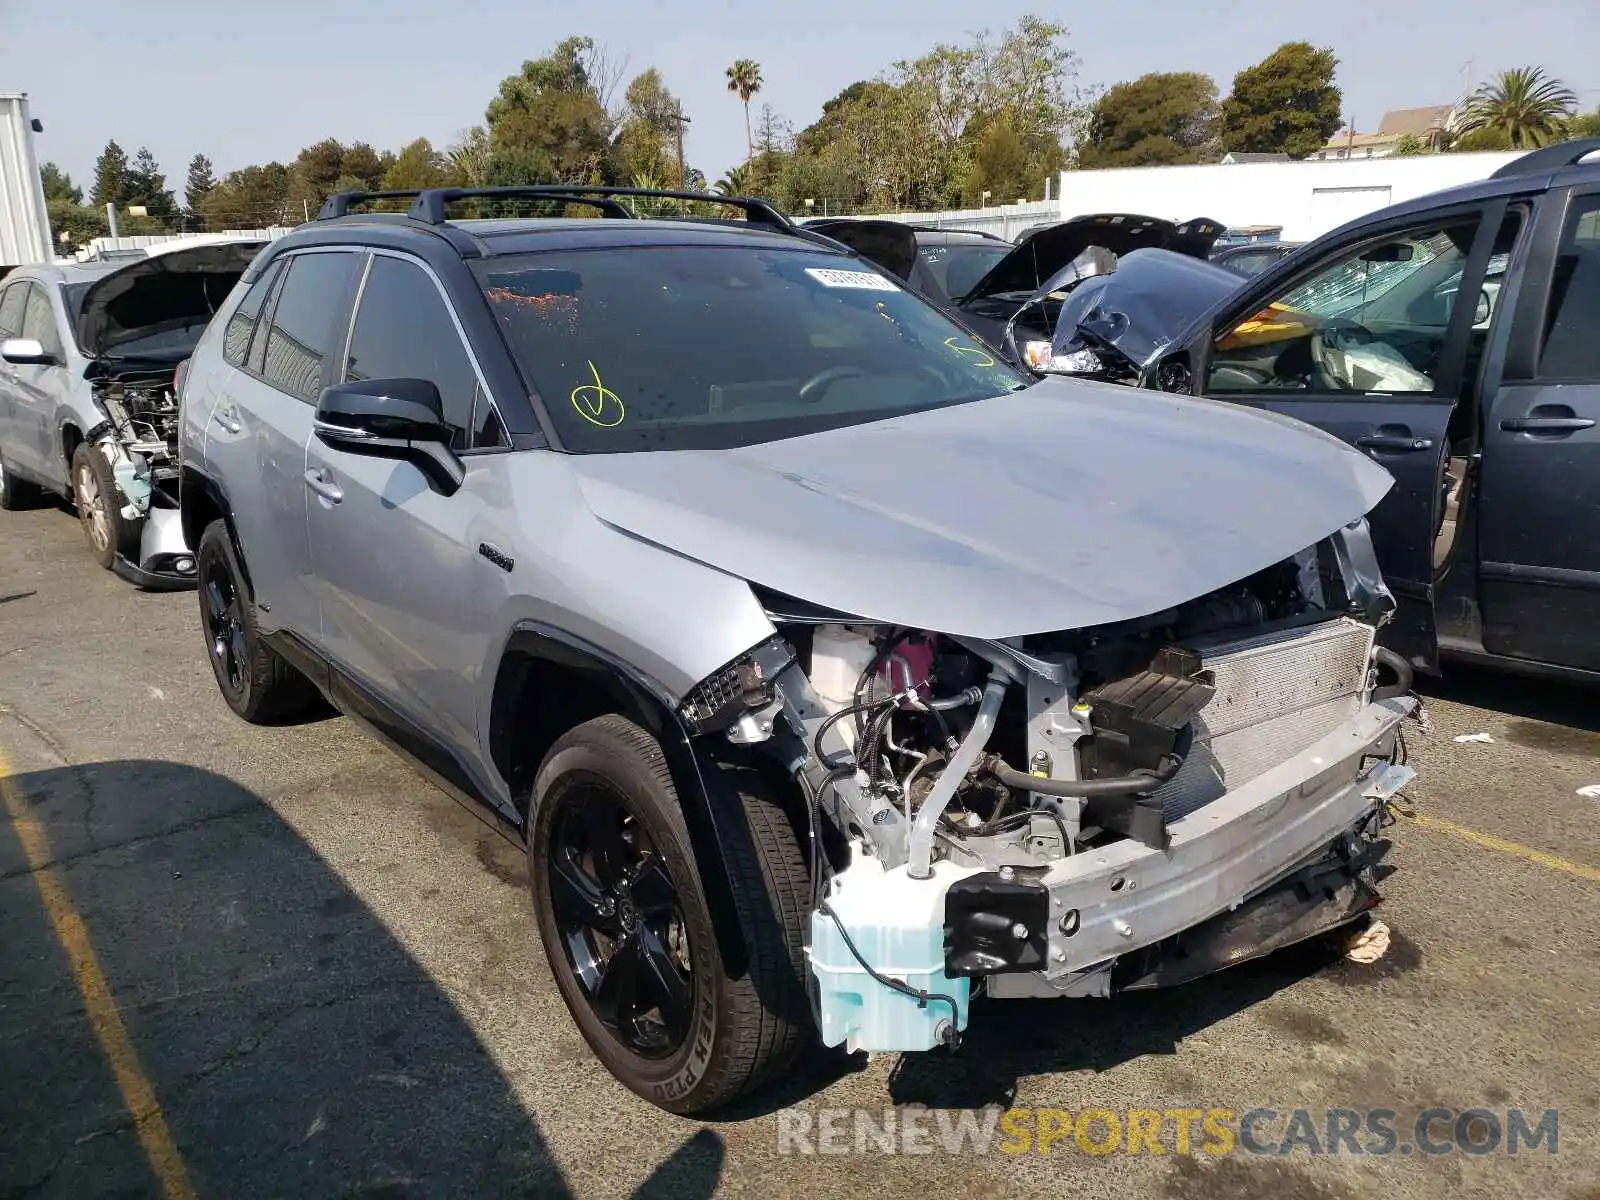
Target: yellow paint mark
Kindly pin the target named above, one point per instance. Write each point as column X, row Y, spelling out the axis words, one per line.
column 1489, row 842
column 137, row 1095
column 596, row 403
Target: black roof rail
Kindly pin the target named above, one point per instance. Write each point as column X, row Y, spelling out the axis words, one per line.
column 1549, row 158
column 430, row 204
column 339, row 205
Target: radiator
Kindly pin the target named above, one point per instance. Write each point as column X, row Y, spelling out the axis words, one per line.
column 1276, row 694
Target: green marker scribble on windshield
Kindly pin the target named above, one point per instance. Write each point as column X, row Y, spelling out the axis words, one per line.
column 596, row 402
column 980, row 357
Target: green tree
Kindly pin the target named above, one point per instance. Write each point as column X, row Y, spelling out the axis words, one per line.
column 197, row 185
column 110, row 175
column 58, row 184
column 418, row 165
column 1157, row 118
column 1287, row 103
column 647, row 137
column 744, row 81
column 1009, row 162
column 1480, row 140
column 1410, row 146
column 469, row 157
column 80, row 222
column 147, row 186
column 250, row 198
column 549, row 121
column 1584, row 125
column 1525, row 104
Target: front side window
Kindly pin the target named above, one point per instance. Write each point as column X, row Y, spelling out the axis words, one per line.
column 13, row 302
column 39, row 323
column 700, row 347
column 302, row 336
column 404, row 331
column 1372, row 320
column 1572, row 318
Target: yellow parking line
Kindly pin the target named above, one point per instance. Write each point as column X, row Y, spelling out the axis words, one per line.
column 1489, row 842
column 137, row 1094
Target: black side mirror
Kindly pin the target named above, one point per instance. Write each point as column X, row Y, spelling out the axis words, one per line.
column 391, row 418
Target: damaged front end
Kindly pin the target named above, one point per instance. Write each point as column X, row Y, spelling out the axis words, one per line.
column 139, row 440
column 1080, row 812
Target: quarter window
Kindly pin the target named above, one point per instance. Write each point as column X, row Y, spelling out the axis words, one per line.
column 404, row 330
column 1571, row 345
column 302, row 336
column 236, row 336
column 1373, row 320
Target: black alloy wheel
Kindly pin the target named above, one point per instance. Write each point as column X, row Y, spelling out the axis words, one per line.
column 222, row 613
column 621, row 920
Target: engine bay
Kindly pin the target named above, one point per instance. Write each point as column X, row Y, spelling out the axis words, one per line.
column 139, row 437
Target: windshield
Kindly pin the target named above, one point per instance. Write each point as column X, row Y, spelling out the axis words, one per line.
column 956, row 268
column 696, row 347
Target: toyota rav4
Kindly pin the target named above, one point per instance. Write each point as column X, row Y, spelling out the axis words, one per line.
column 830, row 669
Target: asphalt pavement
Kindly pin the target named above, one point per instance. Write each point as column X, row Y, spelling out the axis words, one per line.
column 243, row 962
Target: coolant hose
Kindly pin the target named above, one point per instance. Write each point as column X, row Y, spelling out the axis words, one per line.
column 1406, row 676
column 1115, row 785
column 919, row 845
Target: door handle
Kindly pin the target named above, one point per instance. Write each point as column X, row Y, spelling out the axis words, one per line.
column 1395, row 443
column 324, row 487
column 1546, row 424
column 227, row 418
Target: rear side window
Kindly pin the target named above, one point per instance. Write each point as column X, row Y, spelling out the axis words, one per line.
column 302, row 335
column 12, row 301
column 1571, row 345
column 39, row 323
column 404, row 330
column 236, row 337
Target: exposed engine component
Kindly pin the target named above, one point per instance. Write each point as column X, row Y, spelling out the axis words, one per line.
column 139, row 438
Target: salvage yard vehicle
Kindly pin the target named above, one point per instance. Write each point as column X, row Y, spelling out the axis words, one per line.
column 88, row 406
column 830, row 672
column 1455, row 339
column 943, row 264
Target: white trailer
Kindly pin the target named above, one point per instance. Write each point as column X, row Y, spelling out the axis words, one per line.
column 24, row 221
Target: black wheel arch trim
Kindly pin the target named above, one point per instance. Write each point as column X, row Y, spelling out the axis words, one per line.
column 192, row 482
column 652, row 707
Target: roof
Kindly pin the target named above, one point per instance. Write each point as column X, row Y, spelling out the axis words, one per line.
column 1253, row 156
column 1355, row 141
column 1398, row 122
column 67, row 272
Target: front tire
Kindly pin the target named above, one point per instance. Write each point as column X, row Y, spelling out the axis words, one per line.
column 255, row 681
column 94, row 494
column 627, row 928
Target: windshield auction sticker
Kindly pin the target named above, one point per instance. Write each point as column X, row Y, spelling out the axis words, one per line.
column 866, row 281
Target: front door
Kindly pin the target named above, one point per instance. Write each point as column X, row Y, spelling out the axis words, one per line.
column 1539, row 512
column 1369, row 342
column 393, row 559
column 36, row 388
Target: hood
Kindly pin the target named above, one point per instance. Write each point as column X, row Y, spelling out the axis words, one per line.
column 173, row 288
column 1140, row 307
column 890, row 244
column 1065, row 505
column 1044, row 250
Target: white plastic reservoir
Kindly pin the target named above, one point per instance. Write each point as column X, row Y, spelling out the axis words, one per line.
column 897, row 923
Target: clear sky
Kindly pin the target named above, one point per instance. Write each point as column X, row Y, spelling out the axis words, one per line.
column 251, row 83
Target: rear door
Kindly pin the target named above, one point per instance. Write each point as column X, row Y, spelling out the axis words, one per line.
column 1369, row 341
column 1539, row 511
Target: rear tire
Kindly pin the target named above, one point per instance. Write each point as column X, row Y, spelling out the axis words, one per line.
column 96, row 497
column 15, row 494
column 732, row 1033
column 254, row 680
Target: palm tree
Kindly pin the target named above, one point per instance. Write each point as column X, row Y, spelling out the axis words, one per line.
column 736, row 182
column 1525, row 104
column 744, row 78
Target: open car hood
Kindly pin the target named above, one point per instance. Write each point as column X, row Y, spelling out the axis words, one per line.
column 169, row 289
column 1062, row 506
column 890, row 244
column 1150, row 298
column 1045, row 250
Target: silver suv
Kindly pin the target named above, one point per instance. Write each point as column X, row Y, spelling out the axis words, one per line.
column 830, row 669
column 88, row 359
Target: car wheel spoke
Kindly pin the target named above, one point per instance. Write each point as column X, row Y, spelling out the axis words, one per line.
column 660, row 980
column 603, row 824
column 616, row 991
column 652, row 890
column 578, row 900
